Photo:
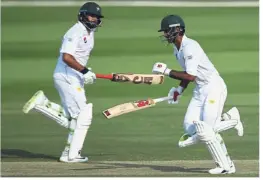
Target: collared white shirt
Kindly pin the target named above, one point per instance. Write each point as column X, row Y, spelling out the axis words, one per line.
column 194, row 61
column 79, row 43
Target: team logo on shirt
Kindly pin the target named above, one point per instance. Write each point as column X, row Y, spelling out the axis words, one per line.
column 189, row 57
column 85, row 40
column 159, row 65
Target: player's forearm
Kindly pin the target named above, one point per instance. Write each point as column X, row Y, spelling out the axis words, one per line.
column 181, row 75
column 71, row 62
column 184, row 84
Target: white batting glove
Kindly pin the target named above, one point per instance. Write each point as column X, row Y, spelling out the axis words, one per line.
column 176, row 93
column 89, row 77
column 160, row 68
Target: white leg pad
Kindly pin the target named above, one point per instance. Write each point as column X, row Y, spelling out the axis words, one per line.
column 83, row 122
column 57, row 116
column 221, row 141
column 204, row 132
column 72, row 128
column 225, row 125
column 218, row 154
column 208, row 136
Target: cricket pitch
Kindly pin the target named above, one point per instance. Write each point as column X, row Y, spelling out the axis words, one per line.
column 125, row 168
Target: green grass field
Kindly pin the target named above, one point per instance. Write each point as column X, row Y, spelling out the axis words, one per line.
column 145, row 141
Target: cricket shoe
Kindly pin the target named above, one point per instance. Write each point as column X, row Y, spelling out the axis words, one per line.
column 79, row 159
column 187, row 140
column 37, row 99
column 219, row 170
column 233, row 114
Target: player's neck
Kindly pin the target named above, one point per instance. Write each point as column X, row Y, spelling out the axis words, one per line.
column 178, row 42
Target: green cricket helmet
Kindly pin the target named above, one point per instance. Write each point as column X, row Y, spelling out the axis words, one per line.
column 90, row 9
column 172, row 25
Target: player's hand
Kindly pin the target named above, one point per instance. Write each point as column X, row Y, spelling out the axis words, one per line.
column 176, row 95
column 159, row 68
column 89, row 77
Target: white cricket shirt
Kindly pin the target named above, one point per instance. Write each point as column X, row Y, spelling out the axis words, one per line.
column 79, row 43
column 194, row 61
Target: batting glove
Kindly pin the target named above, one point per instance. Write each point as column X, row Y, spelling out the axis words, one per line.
column 160, row 68
column 89, row 77
column 176, row 94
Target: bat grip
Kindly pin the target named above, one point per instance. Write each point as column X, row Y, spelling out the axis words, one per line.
column 104, row 76
column 163, row 99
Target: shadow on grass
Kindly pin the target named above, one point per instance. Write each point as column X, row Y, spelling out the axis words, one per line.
column 13, row 154
column 18, row 153
column 170, row 168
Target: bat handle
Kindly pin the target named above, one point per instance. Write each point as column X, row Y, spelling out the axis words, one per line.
column 104, row 76
column 163, row 99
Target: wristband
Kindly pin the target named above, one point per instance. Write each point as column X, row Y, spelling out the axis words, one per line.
column 180, row 89
column 84, row 71
column 167, row 71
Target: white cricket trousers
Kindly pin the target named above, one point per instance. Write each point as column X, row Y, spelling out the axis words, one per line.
column 206, row 104
column 72, row 93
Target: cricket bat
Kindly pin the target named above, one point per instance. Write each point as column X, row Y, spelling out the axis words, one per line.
column 149, row 79
column 132, row 106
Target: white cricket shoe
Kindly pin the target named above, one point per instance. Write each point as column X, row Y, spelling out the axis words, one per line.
column 79, row 159
column 187, row 140
column 64, row 155
column 37, row 99
column 219, row 170
column 233, row 113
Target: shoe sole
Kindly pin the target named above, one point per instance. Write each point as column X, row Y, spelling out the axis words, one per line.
column 84, row 161
column 239, row 125
column 229, row 172
column 29, row 104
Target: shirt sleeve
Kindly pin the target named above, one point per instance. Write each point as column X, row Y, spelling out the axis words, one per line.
column 192, row 56
column 69, row 44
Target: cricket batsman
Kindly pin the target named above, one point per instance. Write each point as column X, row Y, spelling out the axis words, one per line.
column 69, row 76
column 203, row 119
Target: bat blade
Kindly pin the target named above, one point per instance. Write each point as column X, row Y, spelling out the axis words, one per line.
column 150, row 79
column 139, row 78
column 128, row 107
